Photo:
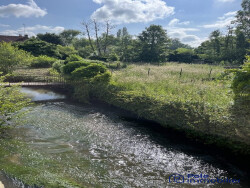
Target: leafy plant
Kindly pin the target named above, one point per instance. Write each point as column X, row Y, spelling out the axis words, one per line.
column 11, row 57
column 89, row 71
column 42, row 61
column 241, row 81
column 71, row 66
column 11, row 102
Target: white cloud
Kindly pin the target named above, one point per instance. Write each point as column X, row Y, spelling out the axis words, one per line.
column 132, row 11
column 22, row 10
column 175, row 30
column 225, row 1
column 32, row 31
column 175, row 22
column 184, row 36
column 223, row 21
column 4, row 25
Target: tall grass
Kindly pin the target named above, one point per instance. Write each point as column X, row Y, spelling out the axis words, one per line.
column 193, row 100
column 165, row 83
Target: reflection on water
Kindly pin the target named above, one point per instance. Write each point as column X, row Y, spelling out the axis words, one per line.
column 98, row 149
column 41, row 94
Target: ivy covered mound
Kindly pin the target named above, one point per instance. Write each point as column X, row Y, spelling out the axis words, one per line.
column 87, row 71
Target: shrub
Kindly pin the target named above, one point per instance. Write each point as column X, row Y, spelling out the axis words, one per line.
column 73, row 57
column 182, row 55
column 58, row 65
column 113, row 57
column 70, row 67
column 241, row 81
column 89, row 71
column 102, row 78
column 11, row 57
column 99, row 58
column 42, row 62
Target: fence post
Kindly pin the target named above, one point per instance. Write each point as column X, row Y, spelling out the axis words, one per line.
column 181, row 72
column 148, row 71
column 210, row 73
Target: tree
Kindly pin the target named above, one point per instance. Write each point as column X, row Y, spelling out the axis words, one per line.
column 68, row 36
column 176, row 43
column 243, row 18
column 50, row 38
column 11, row 57
column 65, row 51
column 38, row 47
column 215, row 39
column 153, row 42
column 87, row 29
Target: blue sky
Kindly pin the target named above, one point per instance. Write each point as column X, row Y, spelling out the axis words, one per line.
column 189, row 20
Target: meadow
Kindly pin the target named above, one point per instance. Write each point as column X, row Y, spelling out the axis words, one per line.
column 192, row 98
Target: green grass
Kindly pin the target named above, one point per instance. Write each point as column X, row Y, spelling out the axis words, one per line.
column 195, row 102
column 165, row 83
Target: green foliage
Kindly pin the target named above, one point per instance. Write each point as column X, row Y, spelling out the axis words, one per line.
column 11, row 102
column 102, row 78
column 11, row 57
column 65, row 51
column 241, row 81
column 50, row 38
column 42, row 62
column 176, row 43
column 153, row 43
column 68, row 36
column 38, row 47
column 89, row 71
column 58, row 66
column 99, row 58
column 182, row 55
column 73, row 57
column 113, row 57
column 71, row 66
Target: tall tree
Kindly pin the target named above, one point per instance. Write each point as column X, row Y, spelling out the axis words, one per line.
column 69, row 35
column 87, row 29
column 50, row 38
column 243, row 18
column 153, row 42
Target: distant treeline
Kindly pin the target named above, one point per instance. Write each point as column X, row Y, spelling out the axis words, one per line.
column 97, row 42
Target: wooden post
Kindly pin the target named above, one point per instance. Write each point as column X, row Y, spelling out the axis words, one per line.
column 210, row 73
column 148, row 71
column 181, row 72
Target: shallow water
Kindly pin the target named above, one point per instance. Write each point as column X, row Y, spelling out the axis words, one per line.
column 95, row 147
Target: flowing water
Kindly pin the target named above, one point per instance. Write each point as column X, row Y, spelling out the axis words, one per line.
column 93, row 146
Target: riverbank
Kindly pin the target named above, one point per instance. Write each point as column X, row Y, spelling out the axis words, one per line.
column 187, row 98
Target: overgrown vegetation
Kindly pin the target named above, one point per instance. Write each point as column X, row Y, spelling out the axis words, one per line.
column 185, row 97
column 11, row 57
column 11, row 102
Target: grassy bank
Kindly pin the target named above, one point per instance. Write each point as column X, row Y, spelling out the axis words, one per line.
column 185, row 97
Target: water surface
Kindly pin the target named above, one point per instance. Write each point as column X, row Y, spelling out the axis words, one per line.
column 95, row 147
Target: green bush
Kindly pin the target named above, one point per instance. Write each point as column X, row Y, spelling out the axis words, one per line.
column 58, row 65
column 89, row 71
column 71, row 66
column 113, row 57
column 11, row 57
column 241, row 81
column 73, row 57
column 102, row 78
column 42, row 62
column 99, row 58
column 182, row 55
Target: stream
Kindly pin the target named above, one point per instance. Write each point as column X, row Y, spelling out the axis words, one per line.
column 96, row 146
